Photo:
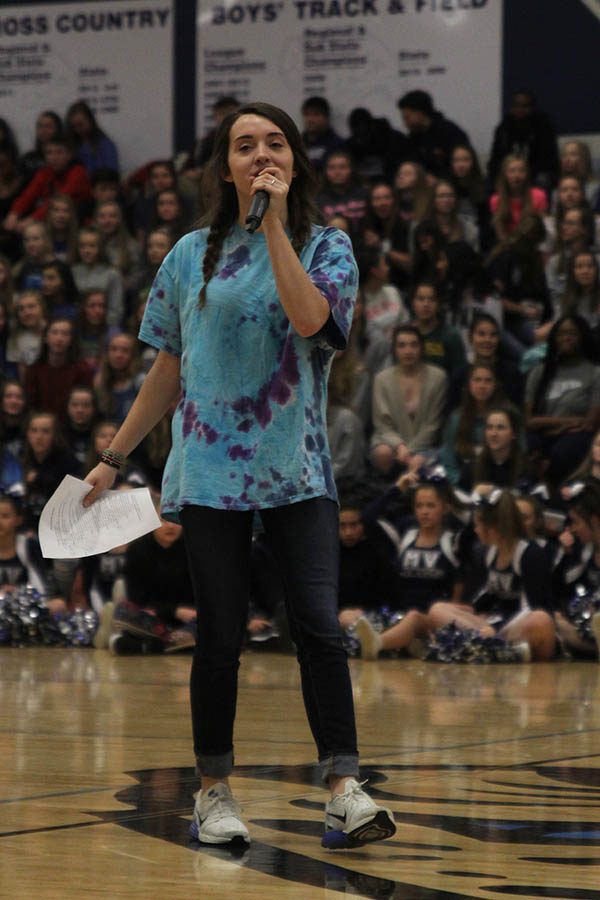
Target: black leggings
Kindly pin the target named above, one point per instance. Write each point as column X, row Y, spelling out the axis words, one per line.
column 305, row 541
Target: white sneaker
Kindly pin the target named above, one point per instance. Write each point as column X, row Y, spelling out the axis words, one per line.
column 523, row 651
column 104, row 631
column 217, row 817
column 370, row 640
column 353, row 819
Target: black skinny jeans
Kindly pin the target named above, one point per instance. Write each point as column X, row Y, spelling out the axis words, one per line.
column 305, row 541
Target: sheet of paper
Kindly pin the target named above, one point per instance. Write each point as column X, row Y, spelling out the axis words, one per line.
column 68, row 530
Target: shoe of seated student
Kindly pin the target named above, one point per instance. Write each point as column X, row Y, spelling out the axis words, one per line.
column 138, row 621
column 104, row 631
column 353, row 819
column 370, row 640
column 121, row 643
column 181, row 639
column 217, row 817
column 523, row 651
column 265, row 633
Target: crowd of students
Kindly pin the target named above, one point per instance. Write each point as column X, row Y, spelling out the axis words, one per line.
column 471, row 377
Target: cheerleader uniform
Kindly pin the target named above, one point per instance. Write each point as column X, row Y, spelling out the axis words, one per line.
column 509, row 593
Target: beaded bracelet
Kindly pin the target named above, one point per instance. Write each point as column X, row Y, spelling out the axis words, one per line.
column 112, row 458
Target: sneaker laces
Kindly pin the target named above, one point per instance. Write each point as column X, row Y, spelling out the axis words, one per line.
column 355, row 796
column 223, row 807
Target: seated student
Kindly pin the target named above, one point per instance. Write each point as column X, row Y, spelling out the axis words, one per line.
column 412, row 191
column 21, row 561
column 318, row 137
column 383, row 307
column 60, row 175
column 118, row 378
column 431, row 137
column 13, row 414
column 368, row 579
column 385, row 230
column 93, row 330
column 582, row 290
column 444, row 346
column 62, row 227
column 46, row 461
column 408, row 402
column 570, row 195
column 576, row 159
column 49, row 380
column 464, row 431
column 444, row 211
column 93, row 149
column 374, row 145
column 92, row 272
column 589, row 470
column 516, row 268
column 469, row 184
column 579, row 570
column 501, row 462
column 48, row 126
column 159, row 614
column 528, row 132
column 158, row 244
column 59, row 291
column 26, row 338
column 38, row 251
column 452, row 268
column 345, row 430
column 575, row 235
column 161, row 176
column 428, row 569
column 341, row 192
column 81, row 415
column 122, row 251
column 562, row 399
column 484, row 346
column 169, row 212
column 515, row 599
column 514, row 199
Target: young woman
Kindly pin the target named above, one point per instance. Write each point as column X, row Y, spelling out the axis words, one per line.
column 500, row 463
column 575, row 235
column 118, row 379
column 93, row 330
column 383, row 306
column 412, row 191
column 59, row 290
column 576, row 160
column 444, row 211
column 444, row 346
column 158, row 244
column 37, row 251
column 27, row 331
column 47, row 127
column 408, row 402
column 342, row 193
column 515, row 598
column 49, row 380
column 514, row 197
column 122, row 250
column 582, row 290
column 61, row 224
column 464, row 431
column 246, row 445
column 384, row 229
column 562, row 399
column 92, row 272
column 469, row 183
column 46, row 461
column 81, row 415
column 13, row 412
column 170, row 213
column 93, row 148
column 484, row 347
column 428, row 568
column 570, row 194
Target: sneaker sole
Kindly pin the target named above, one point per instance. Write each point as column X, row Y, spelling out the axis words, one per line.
column 136, row 630
column 379, row 828
column 235, row 840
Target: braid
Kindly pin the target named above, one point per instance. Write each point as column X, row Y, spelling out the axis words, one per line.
column 214, row 245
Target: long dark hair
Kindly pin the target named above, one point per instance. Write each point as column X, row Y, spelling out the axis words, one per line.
column 223, row 209
column 468, row 412
column 571, row 299
column 550, row 364
column 82, row 108
column 484, row 461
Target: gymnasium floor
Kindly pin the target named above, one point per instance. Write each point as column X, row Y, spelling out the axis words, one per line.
column 493, row 773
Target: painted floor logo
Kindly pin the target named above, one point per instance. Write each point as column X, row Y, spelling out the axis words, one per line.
column 533, row 814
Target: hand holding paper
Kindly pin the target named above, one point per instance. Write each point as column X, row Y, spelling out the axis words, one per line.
column 68, row 530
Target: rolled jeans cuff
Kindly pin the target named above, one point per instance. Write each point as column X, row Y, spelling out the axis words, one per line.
column 215, row 766
column 338, row 765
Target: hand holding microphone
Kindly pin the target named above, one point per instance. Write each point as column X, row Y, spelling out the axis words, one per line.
column 259, row 205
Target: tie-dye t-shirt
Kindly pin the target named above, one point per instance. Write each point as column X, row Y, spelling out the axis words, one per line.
column 250, row 429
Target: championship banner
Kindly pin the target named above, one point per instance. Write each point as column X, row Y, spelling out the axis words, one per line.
column 355, row 53
column 117, row 55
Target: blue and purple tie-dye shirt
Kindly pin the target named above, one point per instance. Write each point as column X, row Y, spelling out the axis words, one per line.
column 250, row 429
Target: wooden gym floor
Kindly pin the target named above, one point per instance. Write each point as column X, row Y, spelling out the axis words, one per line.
column 493, row 773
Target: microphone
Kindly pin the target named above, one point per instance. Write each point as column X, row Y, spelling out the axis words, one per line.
column 256, row 213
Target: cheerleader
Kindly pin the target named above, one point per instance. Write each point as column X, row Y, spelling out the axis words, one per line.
column 514, row 601
column 428, row 568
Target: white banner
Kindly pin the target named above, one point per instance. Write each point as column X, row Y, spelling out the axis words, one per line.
column 355, row 53
column 117, row 55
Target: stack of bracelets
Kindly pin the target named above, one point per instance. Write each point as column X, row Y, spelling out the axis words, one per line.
column 112, row 458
